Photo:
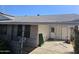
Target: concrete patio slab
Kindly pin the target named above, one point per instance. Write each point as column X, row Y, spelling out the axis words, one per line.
column 54, row 47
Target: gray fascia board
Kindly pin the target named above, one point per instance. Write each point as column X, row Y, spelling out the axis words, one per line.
column 36, row 23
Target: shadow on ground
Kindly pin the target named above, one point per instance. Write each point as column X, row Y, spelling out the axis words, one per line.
column 55, row 39
column 69, row 53
column 28, row 50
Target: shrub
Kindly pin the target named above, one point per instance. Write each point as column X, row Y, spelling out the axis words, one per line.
column 41, row 40
column 76, row 40
column 76, row 45
column 4, row 47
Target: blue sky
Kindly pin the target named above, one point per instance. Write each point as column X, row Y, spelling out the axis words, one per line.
column 29, row 10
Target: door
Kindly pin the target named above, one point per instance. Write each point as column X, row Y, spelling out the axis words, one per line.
column 52, row 32
column 64, row 33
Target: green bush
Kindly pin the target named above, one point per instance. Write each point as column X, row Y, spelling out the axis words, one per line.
column 41, row 40
column 76, row 45
column 76, row 40
column 4, row 46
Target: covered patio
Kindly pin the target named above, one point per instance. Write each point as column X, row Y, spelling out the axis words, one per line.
column 19, row 37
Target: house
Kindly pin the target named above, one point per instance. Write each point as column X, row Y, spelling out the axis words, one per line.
column 26, row 29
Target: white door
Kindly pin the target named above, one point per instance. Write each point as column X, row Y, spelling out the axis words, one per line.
column 52, row 35
column 64, row 33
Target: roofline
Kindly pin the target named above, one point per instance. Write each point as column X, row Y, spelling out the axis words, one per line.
column 6, row 14
column 37, row 23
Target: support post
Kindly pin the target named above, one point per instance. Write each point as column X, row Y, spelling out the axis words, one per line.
column 23, row 27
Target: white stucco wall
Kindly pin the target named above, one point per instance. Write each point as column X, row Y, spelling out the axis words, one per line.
column 66, row 31
column 57, row 31
column 44, row 29
column 61, row 31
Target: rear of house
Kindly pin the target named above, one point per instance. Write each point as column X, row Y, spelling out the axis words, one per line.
column 24, row 31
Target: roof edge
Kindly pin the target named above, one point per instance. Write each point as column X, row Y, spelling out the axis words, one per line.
column 6, row 14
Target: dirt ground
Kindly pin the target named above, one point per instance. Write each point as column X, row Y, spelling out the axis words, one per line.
column 54, row 47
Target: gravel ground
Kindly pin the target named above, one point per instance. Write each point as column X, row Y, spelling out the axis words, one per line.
column 54, row 47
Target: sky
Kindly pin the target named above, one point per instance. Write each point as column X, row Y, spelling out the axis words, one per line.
column 32, row 10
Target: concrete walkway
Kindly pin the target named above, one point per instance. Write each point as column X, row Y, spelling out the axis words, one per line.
column 54, row 47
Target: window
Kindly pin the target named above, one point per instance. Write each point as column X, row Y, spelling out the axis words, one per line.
column 19, row 32
column 52, row 29
column 27, row 31
column 3, row 29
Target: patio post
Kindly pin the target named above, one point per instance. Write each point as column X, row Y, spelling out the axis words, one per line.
column 23, row 27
